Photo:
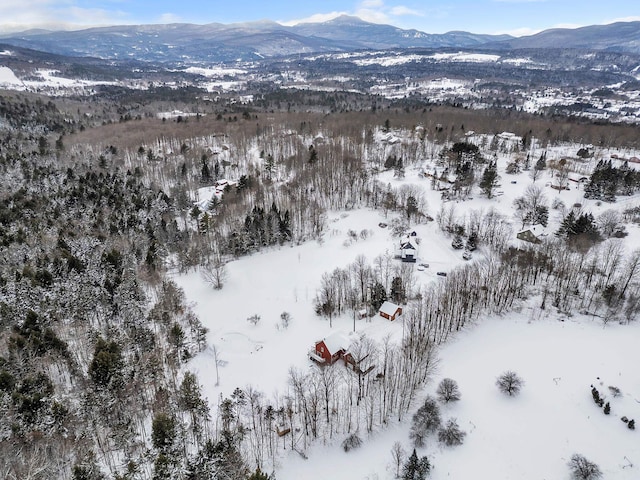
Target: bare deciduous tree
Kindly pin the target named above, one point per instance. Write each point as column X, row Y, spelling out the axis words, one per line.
column 509, row 382
column 215, row 272
column 583, row 469
column 398, row 454
column 448, row 390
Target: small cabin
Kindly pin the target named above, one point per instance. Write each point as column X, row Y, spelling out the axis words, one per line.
column 390, row 310
column 330, row 349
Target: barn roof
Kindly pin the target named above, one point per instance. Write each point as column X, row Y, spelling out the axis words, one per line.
column 389, row 308
column 335, row 342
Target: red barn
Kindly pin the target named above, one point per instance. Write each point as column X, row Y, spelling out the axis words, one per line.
column 330, row 349
column 390, row 310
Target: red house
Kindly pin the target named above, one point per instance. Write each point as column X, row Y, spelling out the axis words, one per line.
column 330, row 349
column 390, row 310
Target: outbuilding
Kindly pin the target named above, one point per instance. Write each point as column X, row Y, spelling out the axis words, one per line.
column 390, row 310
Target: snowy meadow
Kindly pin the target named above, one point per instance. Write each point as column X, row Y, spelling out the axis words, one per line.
column 560, row 356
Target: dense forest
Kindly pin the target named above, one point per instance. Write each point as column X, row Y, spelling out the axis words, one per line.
column 98, row 211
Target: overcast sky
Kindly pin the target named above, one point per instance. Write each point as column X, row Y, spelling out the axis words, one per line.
column 517, row 17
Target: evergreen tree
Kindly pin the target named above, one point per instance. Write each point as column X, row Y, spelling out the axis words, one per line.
column 412, row 207
column 260, row 475
column 205, row 173
column 398, row 170
column 397, row 293
column 541, row 164
column 313, row 155
column 378, row 296
column 489, row 179
column 416, row 468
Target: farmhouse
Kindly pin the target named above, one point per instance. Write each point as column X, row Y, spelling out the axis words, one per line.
column 532, row 234
column 408, row 251
column 330, row 349
column 390, row 310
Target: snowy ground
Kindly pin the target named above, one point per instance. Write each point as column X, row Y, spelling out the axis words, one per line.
column 533, row 435
column 528, row 437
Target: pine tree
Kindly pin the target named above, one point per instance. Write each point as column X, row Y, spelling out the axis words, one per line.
column 416, row 468
column 378, row 296
column 489, row 179
column 397, row 293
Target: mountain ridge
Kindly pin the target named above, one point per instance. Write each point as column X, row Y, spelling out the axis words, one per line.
column 196, row 43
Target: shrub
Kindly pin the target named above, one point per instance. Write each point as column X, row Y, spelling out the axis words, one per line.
column 509, row 382
column 425, row 420
column 351, row 442
column 583, row 469
column 615, row 391
column 451, row 434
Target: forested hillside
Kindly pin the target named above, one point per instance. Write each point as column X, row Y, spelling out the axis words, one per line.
column 102, row 203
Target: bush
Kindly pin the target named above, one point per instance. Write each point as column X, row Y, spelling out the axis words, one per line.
column 285, row 319
column 254, row 319
column 450, row 434
column 351, row 442
column 583, row 469
column 509, row 382
column 631, row 425
column 425, row 420
column 448, row 390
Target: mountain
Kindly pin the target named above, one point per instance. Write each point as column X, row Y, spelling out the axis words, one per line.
column 215, row 42
column 357, row 33
column 619, row 37
column 187, row 43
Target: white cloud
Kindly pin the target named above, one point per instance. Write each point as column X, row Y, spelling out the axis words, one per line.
column 401, row 11
column 371, row 3
column 518, row 32
column 315, row 18
column 54, row 14
column 170, row 18
column 635, row 18
column 373, row 16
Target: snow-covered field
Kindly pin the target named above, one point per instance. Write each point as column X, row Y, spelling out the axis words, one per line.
column 529, row 436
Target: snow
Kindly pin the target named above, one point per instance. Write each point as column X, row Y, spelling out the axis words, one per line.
column 215, row 71
column 529, row 436
column 466, row 57
column 9, row 79
column 335, row 342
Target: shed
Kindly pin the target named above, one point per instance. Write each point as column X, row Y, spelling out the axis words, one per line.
column 390, row 310
column 330, row 349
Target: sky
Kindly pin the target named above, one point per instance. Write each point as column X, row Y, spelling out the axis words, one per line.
column 515, row 17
